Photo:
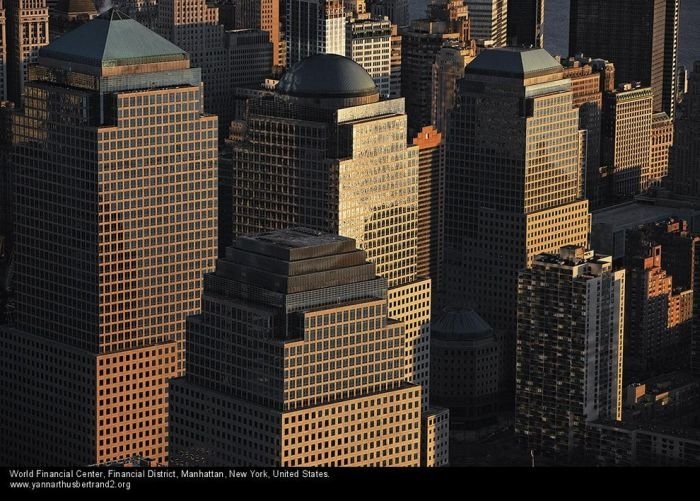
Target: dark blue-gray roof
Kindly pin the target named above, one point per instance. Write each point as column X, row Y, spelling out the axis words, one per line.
column 327, row 75
column 112, row 39
column 457, row 324
column 515, row 62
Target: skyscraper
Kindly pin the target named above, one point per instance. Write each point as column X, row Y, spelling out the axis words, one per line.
column 661, row 142
column 448, row 22
column 116, row 224
column 685, row 152
column 324, row 152
column 194, row 26
column 314, row 27
column 570, row 345
column 309, row 364
column 395, row 10
column 489, row 19
column 526, row 23
column 255, row 14
column 626, row 139
column 513, row 180
column 3, row 53
column 27, row 32
column 368, row 43
column 448, row 70
column 639, row 36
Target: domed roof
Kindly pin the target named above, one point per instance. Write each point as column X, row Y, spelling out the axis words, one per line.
column 460, row 324
column 327, row 75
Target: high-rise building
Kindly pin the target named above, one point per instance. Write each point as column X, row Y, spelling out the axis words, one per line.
column 489, row 19
column 68, row 15
column 588, row 81
column 296, row 355
column 324, row 152
column 431, row 190
column 626, row 139
column 368, row 43
column 116, row 224
column 448, row 22
column 194, row 26
column 526, row 23
column 3, row 53
column 640, row 37
column 661, row 142
column 395, row 74
column 395, row 10
column 448, row 70
column 258, row 15
column 685, row 152
column 571, row 320
column 513, row 181
column 657, row 330
column 27, row 32
column 314, row 27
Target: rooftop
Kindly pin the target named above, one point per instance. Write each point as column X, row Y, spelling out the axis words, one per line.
column 327, row 75
column 112, row 39
column 295, row 244
column 514, row 62
column 460, row 324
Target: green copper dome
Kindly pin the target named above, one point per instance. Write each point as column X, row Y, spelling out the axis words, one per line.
column 327, row 75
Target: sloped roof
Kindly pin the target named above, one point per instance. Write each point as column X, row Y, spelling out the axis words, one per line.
column 515, row 62
column 460, row 324
column 112, row 39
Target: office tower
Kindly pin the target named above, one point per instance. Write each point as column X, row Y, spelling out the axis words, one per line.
column 639, row 36
column 310, row 366
column 448, row 70
column 431, row 188
column 395, row 10
column 194, row 26
column 526, row 23
column 314, row 27
column 447, row 22
column 254, row 14
column 659, row 315
column 513, row 181
column 626, row 139
column 465, row 368
column 661, row 142
column 68, row 15
column 685, row 152
column 587, row 86
column 109, row 264
column 27, row 32
column 368, row 43
column 395, row 74
column 570, row 345
column 489, row 19
column 3, row 53
column 324, row 152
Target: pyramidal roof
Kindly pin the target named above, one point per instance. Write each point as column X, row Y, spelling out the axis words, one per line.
column 514, row 62
column 112, row 39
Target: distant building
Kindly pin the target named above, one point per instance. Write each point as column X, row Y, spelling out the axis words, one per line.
column 395, row 10
column 314, row 27
column 194, row 26
column 448, row 70
column 626, row 139
column 685, row 153
column 395, row 74
column 368, row 43
column 489, row 19
column 661, row 142
column 465, row 362
column 68, row 15
column 662, row 397
column 3, row 53
column 115, row 227
column 571, row 320
column 431, row 193
column 27, row 32
column 639, row 36
column 255, row 15
column 310, row 367
column 526, row 23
